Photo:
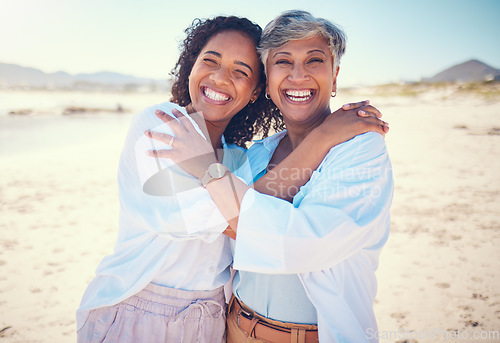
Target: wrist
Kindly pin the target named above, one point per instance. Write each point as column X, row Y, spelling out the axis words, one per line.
column 199, row 165
column 214, row 171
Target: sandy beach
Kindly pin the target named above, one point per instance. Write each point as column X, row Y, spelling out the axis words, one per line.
column 439, row 273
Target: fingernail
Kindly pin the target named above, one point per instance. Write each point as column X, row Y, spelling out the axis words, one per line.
column 346, row 106
column 159, row 112
column 148, row 133
column 362, row 112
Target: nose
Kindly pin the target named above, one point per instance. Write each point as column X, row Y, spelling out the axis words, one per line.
column 298, row 73
column 220, row 76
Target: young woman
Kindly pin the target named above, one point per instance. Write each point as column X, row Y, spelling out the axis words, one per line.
column 332, row 233
column 164, row 281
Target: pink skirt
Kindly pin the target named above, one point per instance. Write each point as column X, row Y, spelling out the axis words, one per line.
column 159, row 314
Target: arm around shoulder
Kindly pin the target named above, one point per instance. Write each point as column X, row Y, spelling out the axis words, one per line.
column 342, row 210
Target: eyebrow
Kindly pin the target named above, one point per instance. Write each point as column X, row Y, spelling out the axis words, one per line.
column 309, row 52
column 213, row 53
column 236, row 61
column 244, row 65
column 316, row 50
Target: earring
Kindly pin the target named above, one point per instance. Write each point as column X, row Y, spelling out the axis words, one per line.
column 267, row 96
column 334, row 94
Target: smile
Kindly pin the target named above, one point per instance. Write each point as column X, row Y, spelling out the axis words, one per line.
column 214, row 95
column 300, row 95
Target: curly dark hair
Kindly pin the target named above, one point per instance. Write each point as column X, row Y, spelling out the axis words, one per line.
column 254, row 119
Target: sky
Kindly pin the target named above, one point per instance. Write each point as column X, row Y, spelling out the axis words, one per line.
column 388, row 40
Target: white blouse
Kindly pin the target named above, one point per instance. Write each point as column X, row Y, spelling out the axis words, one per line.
column 170, row 231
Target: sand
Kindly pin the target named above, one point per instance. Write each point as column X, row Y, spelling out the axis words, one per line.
column 439, row 273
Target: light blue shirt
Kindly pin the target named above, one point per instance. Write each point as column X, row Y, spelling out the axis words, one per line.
column 170, row 230
column 331, row 235
column 276, row 296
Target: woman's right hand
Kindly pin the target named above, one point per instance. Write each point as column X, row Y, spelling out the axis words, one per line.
column 351, row 120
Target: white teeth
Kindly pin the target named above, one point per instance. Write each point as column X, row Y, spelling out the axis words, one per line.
column 299, row 95
column 210, row 93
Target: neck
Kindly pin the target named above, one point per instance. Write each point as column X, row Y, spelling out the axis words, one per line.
column 297, row 132
column 214, row 132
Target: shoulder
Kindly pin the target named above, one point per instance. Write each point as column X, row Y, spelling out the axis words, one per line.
column 369, row 146
column 147, row 119
column 147, row 116
column 369, row 142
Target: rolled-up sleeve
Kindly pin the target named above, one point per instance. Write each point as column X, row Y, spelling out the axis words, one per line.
column 342, row 209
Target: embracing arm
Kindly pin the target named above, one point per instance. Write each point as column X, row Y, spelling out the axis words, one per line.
column 296, row 169
column 344, row 210
column 194, row 154
column 158, row 197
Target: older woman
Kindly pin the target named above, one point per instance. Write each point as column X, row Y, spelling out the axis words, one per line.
column 310, row 263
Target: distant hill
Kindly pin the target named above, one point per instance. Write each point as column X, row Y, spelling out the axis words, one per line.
column 470, row 71
column 15, row 76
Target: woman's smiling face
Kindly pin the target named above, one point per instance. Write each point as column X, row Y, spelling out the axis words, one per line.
column 301, row 78
column 225, row 76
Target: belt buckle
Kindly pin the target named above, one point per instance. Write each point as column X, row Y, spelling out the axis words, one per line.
column 242, row 312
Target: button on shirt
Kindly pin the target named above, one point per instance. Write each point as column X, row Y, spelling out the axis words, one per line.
column 331, row 235
column 169, row 227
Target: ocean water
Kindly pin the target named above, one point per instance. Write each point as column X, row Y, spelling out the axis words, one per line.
column 47, row 128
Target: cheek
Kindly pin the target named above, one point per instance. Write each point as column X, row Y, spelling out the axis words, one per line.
column 245, row 88
column 275, row 76
column 198, row 70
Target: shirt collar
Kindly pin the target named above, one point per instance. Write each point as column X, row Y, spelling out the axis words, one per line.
column 259, row 159
column 271, row 142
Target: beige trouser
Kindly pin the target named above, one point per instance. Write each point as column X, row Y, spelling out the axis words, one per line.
column 159, row 314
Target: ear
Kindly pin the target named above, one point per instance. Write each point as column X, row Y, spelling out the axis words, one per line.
column 336, row 73
column 255, row 94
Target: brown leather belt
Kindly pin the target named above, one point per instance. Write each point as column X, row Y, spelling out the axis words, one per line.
column 257, row 327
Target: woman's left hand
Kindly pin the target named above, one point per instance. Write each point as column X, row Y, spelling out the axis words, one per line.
column 190, row 150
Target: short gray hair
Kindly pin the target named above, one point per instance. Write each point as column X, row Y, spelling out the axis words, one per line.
column 295, row 25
